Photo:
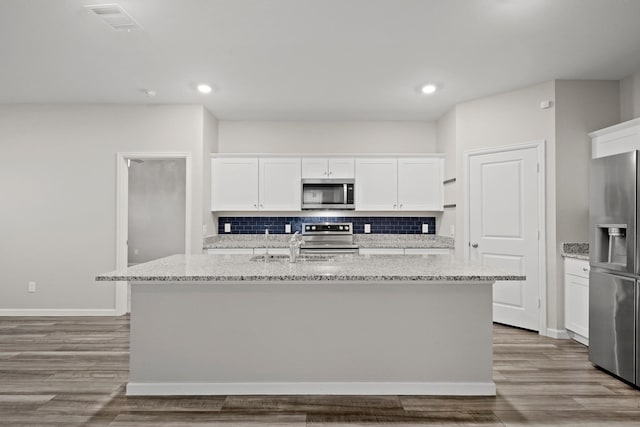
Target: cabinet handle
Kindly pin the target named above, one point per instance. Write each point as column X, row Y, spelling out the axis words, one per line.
column 394, row 206
column 474, row 245
column 255, row 206
column 261, row 206
column 401, row 205
column 585, row 269
column 330, row 173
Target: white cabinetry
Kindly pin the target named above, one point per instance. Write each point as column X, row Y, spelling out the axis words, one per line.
column 408, row 184
column 376, row 184
column 280, row 187
column 319, row 167
column 234, row 184
column 405, row 251
column 576, row 299
column 616, row 139
column 420, row 185
column 251, row 184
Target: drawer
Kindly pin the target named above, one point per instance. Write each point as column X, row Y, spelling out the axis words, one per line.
column 427, row 251
column 230, row 251
column 381, row 251
column 577, row 267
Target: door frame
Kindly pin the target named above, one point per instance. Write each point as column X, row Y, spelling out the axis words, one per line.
column 122, row 214
column 540, row 146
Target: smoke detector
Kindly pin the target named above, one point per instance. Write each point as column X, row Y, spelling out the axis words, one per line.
column 115, row 16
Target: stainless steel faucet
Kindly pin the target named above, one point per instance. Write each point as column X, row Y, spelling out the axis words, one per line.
column 294, row 246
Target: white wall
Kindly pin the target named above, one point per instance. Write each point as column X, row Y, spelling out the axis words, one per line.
column 58, row 171
column 582, row 107
column 210, row 145
column 504, row 119
column 446, row 131
column 630, row 97
column 327, row 137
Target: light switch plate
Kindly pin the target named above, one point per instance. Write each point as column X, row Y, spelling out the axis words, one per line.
column 367, row 228
column 425, row 228
column 287, row 228
column 227, row 227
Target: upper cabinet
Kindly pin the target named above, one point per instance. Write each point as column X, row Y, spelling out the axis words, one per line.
column 234, row 184
column 322, row 168
column 280, row 186
column 251, row 184
column 376, row 184
column 408, row 184
column 616, row 139
column 420, row 185
column 246, row 183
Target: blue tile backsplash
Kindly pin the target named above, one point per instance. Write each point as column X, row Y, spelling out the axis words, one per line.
column 379, row 224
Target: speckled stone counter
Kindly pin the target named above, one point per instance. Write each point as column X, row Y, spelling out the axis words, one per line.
column 194, row 268
column 362, row 240
column 576, row 250
column 354, row 324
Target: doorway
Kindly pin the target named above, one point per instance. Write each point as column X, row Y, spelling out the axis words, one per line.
column 153, row 211
column 156, row 218
column 504, row 216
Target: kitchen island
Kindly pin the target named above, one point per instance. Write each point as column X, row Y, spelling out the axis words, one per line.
column 347, row 324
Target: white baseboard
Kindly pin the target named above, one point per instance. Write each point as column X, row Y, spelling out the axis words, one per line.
column 58, row 312
column 349, row 388
column 557, row 333
column 577, row 337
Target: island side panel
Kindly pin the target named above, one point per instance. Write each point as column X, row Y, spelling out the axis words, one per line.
column 311, row 337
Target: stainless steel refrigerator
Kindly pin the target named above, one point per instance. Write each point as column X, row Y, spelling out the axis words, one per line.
column 614, row 280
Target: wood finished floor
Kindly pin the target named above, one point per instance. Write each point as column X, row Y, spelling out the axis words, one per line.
column 72, row 372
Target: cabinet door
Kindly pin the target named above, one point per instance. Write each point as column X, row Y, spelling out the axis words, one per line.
column 234, row 184
column 420, row 186
column 280, row 187
column 376, row 184
column 314, row 167
column 577, row 304
column 341, row 168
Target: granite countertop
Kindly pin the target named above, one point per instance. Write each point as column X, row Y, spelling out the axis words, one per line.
column 362, row 240
column 195, row 268
column 575, row 250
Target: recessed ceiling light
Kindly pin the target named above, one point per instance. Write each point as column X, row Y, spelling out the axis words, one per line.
column 149, row 92
column 428, row 89
column 204, row 88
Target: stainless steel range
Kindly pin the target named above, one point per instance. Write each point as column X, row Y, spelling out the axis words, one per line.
column 328, row 237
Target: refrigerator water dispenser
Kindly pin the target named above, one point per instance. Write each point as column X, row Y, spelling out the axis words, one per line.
column 611, row 244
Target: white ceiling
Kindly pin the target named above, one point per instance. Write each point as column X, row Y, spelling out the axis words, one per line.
column 311, row 59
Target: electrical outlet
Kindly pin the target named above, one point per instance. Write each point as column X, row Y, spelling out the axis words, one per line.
column 287, row 228
column 227, row 227
column 31, row 287
column 452, row 230
column 425, row 228
column 367, row 228
column 204, row 229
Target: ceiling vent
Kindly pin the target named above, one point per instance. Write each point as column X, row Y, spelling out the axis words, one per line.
column 115, row 16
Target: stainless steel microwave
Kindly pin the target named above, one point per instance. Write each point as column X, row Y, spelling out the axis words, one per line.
column 328, row 194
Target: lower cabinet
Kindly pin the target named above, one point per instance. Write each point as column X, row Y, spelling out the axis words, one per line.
column 247, row 251
column 405, row 251
column 576, row 299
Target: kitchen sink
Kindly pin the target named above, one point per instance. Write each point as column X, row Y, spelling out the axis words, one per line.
column 301, row 258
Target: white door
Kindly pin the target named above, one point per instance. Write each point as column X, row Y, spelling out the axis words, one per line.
column 420, row 186
column 376, row 184
column 503, row 229
column 280, row 186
